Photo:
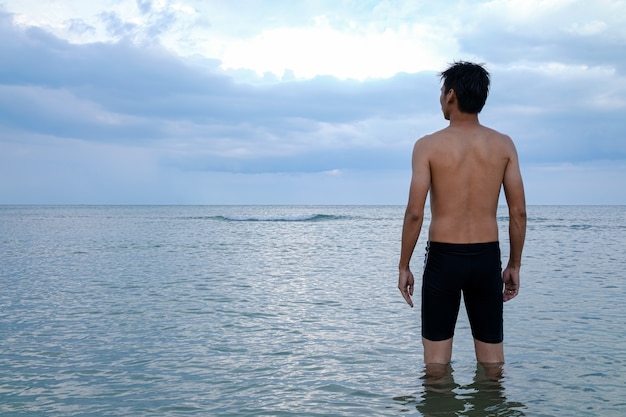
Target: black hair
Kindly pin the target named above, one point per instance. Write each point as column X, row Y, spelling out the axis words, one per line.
column 470, row 83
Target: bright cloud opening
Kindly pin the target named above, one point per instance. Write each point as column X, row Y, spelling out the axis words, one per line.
column 323, row 50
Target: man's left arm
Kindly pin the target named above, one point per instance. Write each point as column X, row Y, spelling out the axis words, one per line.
column 514, row 193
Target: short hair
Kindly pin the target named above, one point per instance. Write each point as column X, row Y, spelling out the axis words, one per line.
column 470, row 83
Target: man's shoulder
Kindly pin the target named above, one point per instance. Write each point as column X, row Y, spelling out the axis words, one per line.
column 431, row 137
column 501, row 141
column 496, row 133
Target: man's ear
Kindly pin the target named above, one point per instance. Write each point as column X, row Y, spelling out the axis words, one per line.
column 450, row 95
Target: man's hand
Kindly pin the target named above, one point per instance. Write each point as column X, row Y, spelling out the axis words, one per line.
column 510, row 278
column 406, row 284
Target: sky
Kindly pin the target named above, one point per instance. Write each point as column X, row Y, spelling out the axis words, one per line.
column 298, row 101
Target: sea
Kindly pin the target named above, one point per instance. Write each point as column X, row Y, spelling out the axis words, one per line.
column 292, row 311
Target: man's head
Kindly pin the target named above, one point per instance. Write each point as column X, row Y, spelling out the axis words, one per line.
column 470, row 84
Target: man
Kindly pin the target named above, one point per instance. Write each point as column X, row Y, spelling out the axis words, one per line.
column 463, row 167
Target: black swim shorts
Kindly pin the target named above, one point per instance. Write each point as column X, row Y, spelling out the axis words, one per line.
column 475, row 269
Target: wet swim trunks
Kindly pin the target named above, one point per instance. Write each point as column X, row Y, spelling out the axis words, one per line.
column 475, row 270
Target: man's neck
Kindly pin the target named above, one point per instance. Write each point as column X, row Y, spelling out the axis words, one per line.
column 458, row 118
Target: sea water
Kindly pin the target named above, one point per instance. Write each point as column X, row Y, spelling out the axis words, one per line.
column 291, row 311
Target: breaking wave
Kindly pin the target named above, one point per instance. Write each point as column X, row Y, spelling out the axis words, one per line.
column 287, row 218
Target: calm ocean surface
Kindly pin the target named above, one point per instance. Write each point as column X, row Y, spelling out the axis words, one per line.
column 291, row 311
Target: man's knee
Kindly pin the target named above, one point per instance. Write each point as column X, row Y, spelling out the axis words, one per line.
column 489, row 353
column 437, row 352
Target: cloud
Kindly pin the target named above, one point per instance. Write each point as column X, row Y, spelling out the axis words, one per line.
column 560, row 112
column 145, row 6
column 117, row 27
column 565, row 31
column 134, row 115
column 356, row 53
column 120, row 86
column 79, row 27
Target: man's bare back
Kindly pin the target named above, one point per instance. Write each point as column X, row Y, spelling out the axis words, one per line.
column 467, row 164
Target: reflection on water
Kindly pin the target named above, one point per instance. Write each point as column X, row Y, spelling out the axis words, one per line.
column 442, row 396
column 131, row 311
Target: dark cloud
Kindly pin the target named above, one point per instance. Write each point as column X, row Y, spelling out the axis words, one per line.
column 572, row 34
column 144, row 6
column 157, row 22
column 117, row 27
column 563, row 47
column 79, row 26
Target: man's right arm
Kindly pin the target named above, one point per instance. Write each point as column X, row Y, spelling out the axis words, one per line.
column 516, row 201
column 413, row 218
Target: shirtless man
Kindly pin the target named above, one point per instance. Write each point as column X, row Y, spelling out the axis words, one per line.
column 463, row 166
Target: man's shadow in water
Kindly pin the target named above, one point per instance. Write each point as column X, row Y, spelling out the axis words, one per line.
column 442, row 396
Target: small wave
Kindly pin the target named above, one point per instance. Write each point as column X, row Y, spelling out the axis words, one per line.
column 292, row 218
column 573, row 226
